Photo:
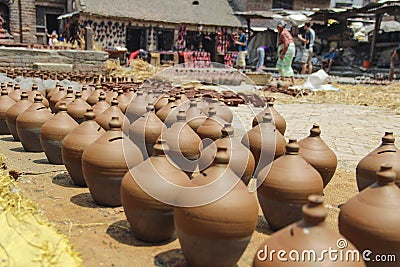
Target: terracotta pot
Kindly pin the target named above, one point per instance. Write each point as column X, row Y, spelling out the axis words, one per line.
column 310, row 234
column 137, row 107
column 104, row 164
column 53, row 132
column 32, row 94
column 77, row 108
column 123, row 100
column 57, row 97
column 165, row 111
column 113, row 111
column 66, row 100
column 53, row 91
column 76, row 142
column 151, row 220
column 278, row 120
column 13, row 112
column 184, row 144
column 286, row 186
column 94, row 96
column 145, row 131
column 131, row 94
column 194, row 116
column 101, row 105
column 16, row 93
column 110, row 95
column 315, row 151
column 212, row 126
column 265, row 142
column 222, row 227
column 202, row 105
column 85, row 93
column 223, row 111
column 161, row 102
column 6, row 102
column 241, row 159
column 29, row 124
column 371, row 218
column 387, row 152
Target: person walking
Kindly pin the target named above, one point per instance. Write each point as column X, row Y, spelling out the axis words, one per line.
column 308, row 51
column 242, row 48
column 394, row 57
column 286, row 52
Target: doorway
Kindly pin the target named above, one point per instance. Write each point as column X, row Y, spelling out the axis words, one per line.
column 135, row 38
column 52, row 23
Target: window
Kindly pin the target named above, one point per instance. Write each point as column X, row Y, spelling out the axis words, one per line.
column 284, row 4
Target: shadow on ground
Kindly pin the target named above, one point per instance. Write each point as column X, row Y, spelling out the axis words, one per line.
column 63, row 179
column 85, row 200
column 170, row 258
column 262, row 226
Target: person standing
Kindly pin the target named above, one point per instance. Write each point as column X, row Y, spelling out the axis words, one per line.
column 308, row 51
column 242, row 48
column 395, row 56
column 286, row 52
column 261, row 57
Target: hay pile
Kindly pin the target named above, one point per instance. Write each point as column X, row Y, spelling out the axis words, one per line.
column 26, row 237
column 138, row 70
column 383, row 96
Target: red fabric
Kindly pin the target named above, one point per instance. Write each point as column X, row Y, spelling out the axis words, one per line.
column 134, row 55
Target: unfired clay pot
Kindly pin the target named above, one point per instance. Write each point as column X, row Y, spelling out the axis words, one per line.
column 370, row 220
column 165, row 111
column 94, row 96
column 145, row 131
column 6, row 102
column 53, row 132
column 212, row 126
column 265, row 142
column 278, row 120
column 101, row 105
column 123, row 100
column 387, row 152
column 113, row 111
column 110, row 95
column 77, row 108
column 85, row 93
column 223, row 227
column 223, row 111
column 56, row 97
column 13, row 112
column 241, row 159
column 104, row 164
column 316, row 152
column 66, row 100
column 16, row 93
column 151, row 220
column 161, row 102
column 137, row 107
column 194, row 116
column 286, row 187
column 75, row 143
column 34, row 91
column 29, row 124
column 309, row 234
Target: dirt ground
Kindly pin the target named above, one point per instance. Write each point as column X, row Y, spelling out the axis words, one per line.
column 102, row 235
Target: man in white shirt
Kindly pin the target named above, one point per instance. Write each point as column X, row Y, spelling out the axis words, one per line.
column 308, row 51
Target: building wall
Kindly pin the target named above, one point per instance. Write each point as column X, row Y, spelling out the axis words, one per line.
column 267, row 4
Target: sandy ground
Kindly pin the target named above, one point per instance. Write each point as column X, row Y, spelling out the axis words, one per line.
column 102, row 235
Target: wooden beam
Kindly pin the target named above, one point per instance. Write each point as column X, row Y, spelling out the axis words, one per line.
column 378, row 20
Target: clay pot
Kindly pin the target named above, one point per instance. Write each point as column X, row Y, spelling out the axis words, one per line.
column 131, row 94
column 85, row 93
column 241, row 159
column 76, row 142
column 265, row 143
column 315, row 151
column 32, row 94
column 151, row 220
column 183, row 142
column 278, row 120
column 387, row 152
column 29, row 124
column 137, row 107
column 77, row 108
column 101, row 105
column 212, row 126
column 286, row 186
column 104, row 164
column 164, row 112
column 66, row 100
column 123, row 100
column 113, row 111
column 222, row 227
column 94, row 96
column 194, row 116
column 223, row 111
column 53, row 132
column 310, row 234
column 56, row 97
column 370, row 220
column 6, row 102
column 16, row 93
column 13, row 112
column 202, row 105
column 161, row 102
column 110, row 95
column 145, row 131
column 53, row 91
